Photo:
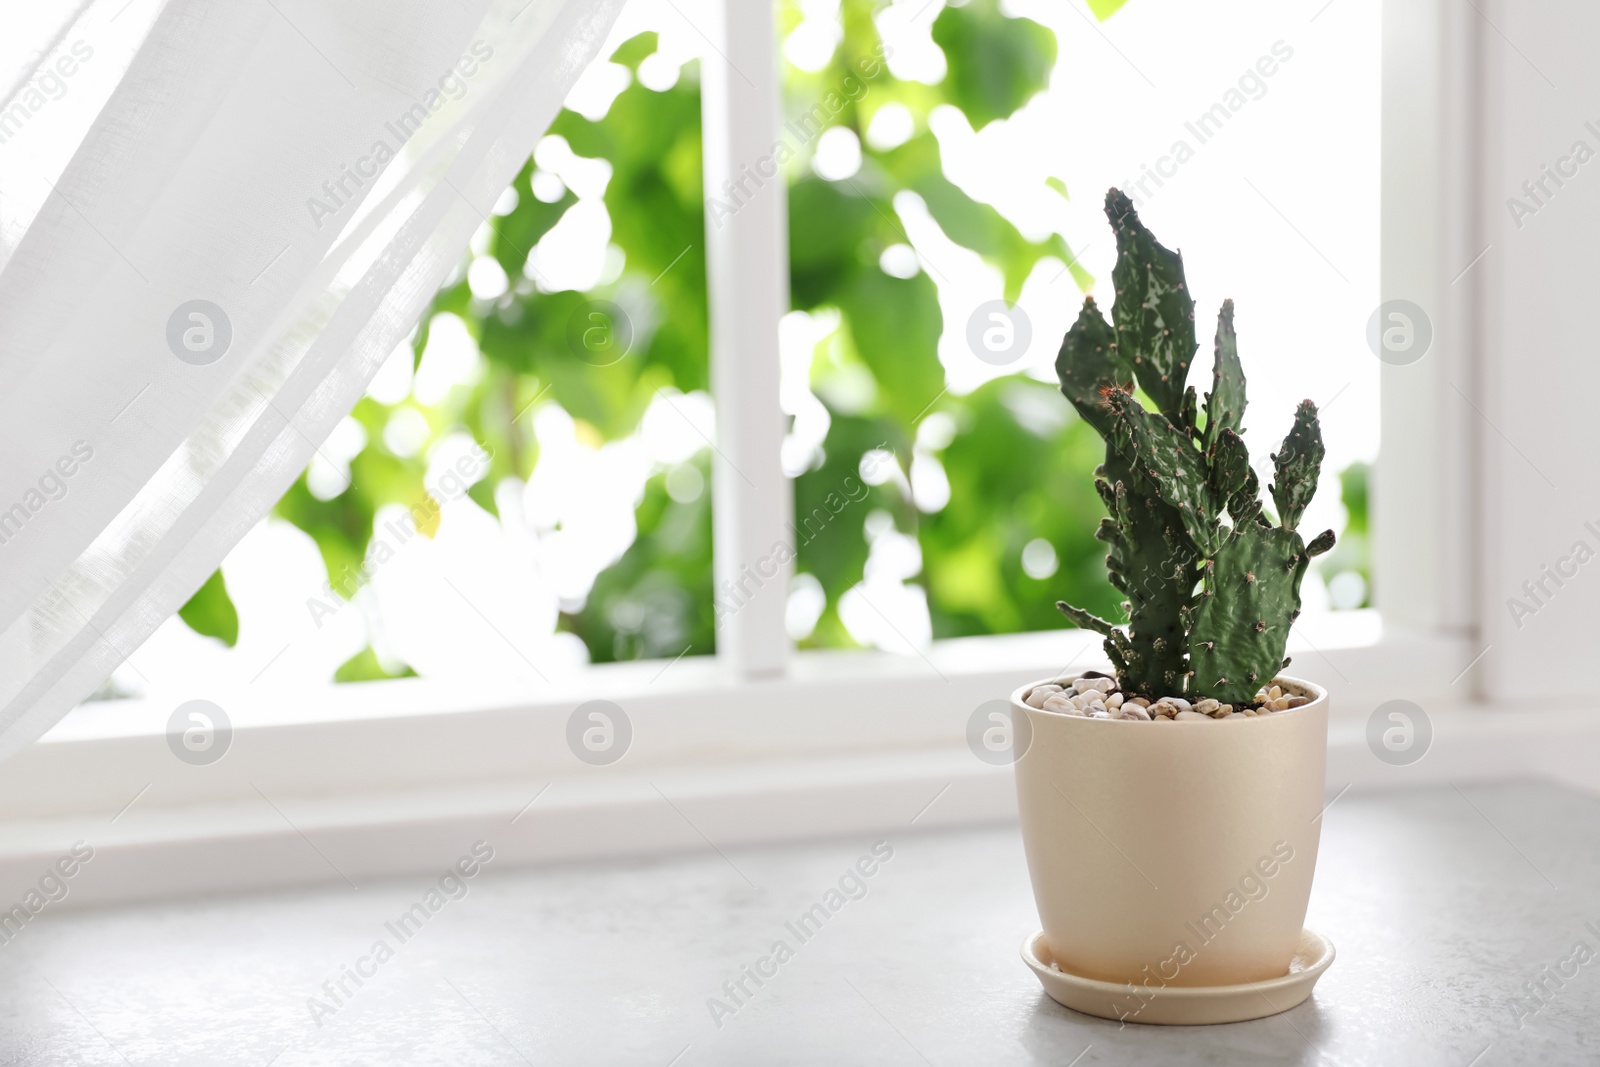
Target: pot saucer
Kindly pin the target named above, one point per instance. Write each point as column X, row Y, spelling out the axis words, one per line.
column 1183, row 1005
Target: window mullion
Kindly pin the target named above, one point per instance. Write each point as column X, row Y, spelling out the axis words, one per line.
column 748, row 284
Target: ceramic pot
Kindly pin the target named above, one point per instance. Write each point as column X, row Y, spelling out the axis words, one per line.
column 1173, row 853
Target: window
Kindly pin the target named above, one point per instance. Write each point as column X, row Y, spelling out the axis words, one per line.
column 527, row 487
column 779, row 741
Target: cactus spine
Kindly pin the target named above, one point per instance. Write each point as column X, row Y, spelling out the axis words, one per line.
column 1209, row 603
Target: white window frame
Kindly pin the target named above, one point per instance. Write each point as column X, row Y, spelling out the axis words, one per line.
column 761, row 742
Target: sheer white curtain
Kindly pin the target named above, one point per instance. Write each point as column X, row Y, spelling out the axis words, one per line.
column 217, row 218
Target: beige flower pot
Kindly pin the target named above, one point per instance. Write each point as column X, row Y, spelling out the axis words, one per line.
column 1173, row 854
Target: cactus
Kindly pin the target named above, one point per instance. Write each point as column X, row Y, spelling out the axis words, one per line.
column 1150, row 560
column 1210, row 603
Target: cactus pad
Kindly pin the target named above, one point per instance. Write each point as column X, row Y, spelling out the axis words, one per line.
column 1249, row 599
column 1154, row 312
column 1210, row 605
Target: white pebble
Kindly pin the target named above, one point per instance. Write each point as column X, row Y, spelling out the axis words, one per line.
column 1114, row 701
column 1099, row 713
column 1192, row 716
column 1036, row 697
column 1058, row 703
column 1134, row 711
column 1179, row 703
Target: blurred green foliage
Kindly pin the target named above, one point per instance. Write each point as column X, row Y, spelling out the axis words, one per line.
column 211, row 612
column 1348, row 568
column 1017, row 458
column 656, row 599
column 1018, row 462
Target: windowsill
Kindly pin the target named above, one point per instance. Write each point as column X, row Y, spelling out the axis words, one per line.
column 1324, row 647
column 382, row 776
column 1436, row 919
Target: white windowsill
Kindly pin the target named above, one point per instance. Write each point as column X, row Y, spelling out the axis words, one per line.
column 391, row 776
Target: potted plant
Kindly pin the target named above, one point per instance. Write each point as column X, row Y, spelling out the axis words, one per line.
column 1170, row 811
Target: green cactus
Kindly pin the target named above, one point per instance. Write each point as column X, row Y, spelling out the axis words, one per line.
column 1150, row 560
column 1210, row 603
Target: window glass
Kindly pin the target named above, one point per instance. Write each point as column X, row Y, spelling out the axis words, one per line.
column 948, row 170
column 525, row 487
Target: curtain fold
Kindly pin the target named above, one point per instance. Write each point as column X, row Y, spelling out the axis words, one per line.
column 217, row 219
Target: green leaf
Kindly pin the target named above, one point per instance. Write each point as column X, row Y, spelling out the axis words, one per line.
column 917, row 165
column 635, row 49
column 211, row 612
column 995, row 63
column 972, row 548
column 894, row 324
column 828, row 224
column 656, row 601
column 365, row 667
column 1104, row 9
column 831, row 505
